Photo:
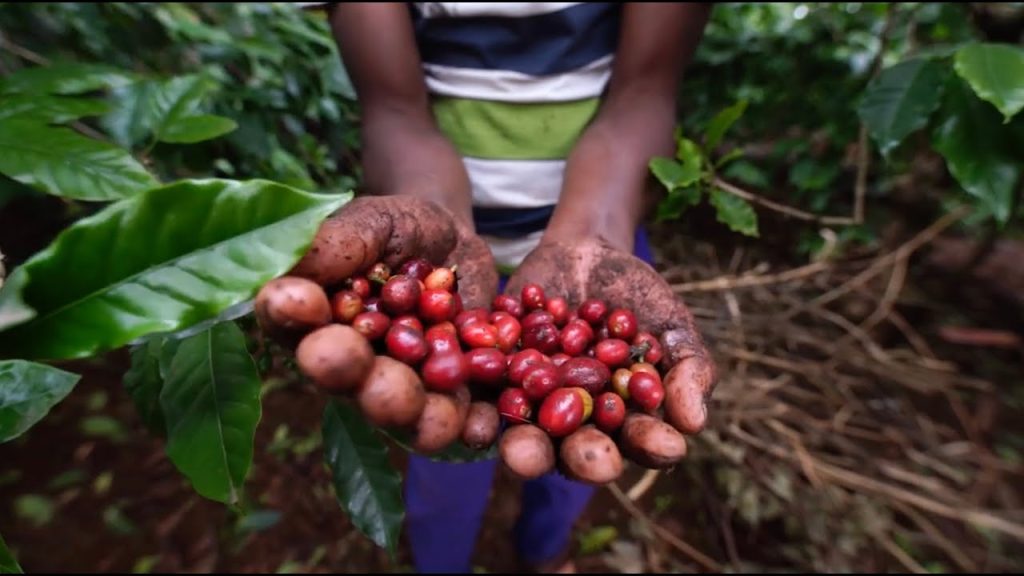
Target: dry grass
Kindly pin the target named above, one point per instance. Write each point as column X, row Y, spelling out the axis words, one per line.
column 873, row 453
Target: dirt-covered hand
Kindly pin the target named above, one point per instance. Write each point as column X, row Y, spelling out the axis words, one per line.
column 593, row 269
column 393, row 229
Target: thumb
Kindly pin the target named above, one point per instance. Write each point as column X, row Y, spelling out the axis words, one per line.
column 690, row 380
column 376, row 228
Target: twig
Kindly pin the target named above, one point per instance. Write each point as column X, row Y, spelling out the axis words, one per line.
column 673, row 540
column 892, row 293
column 857, row 481
column 860, row 187
column 643, row 485
column 747, row 281
column 948, row 547
column 904, row 251
column 781, row 208
column 22, row 52
column 915, row 339
column 898, row 553
column 863, row 150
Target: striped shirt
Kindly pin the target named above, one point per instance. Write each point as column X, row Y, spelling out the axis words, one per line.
column 513, row 85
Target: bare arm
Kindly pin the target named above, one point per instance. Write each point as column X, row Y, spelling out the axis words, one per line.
column 606, row 173
column 404, row 153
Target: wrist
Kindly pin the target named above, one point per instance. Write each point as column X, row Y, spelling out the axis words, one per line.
column 599, row 226
column 418, row 161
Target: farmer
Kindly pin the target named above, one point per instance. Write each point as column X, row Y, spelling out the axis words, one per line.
column 531, row 125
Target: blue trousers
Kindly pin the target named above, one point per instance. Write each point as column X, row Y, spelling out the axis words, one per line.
column 445, row 504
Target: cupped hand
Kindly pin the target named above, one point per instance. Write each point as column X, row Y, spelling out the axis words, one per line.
column 393, row 229
column 592, row 268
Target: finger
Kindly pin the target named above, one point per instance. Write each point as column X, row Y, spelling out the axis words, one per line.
column 371, row 229
column 478, row 279
column 689, row 383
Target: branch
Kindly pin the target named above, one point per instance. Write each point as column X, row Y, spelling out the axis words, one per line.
column 781, row 208
column 691, row 552
column 731, row 282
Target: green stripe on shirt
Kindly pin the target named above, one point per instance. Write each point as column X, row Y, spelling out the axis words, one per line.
column 513, row 131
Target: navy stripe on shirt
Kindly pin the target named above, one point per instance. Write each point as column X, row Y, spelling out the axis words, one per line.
column 511, row 222
column 538, row 45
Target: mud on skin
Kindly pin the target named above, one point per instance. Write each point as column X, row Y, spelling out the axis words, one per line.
column 594, row 269
column 393, row 230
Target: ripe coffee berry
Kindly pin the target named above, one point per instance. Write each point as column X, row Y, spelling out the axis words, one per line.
column 436, row 305
column 647, row 341
column 487, row 366
column 400, row 295
column 445, row 371
column 609, row 411
column 479, row 335
column 646, row 390
column 593, row 311
column 418, row 268
column 613, row 352
column 506, row 303
column 532, row 297
column 520, row 363
column 441, row 340
column 541, row 380
column 514, row 407
column 621, row 324
column 559, row 310
column 406, row 344
column 346, row 305
column 410, row 321
column 361, row 286
column 372, row 325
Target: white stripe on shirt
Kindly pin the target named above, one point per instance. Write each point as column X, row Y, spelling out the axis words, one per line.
column 512, row 251
column 515, row 183
column 506, row 86
column 471, row 9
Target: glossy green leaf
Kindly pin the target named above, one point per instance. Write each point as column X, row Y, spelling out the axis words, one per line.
column 143, row 382
column 674, row 175
column 146, row 109
column 689, row 153
column 367, row 486
column 158, row 262
column 979, row 150
column 62, row 162
column 64, row 78
column 900, row 100
column 677, row 202
column 8, row 565
column 734, row 212
column 211, row 404
column 996, row 74
column 720, row 124
column 747, row 173
column 50, row 108
column 27, row 393
column 197, row 129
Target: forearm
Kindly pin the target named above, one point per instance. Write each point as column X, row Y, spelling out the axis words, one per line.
column 404, row 155
column 603, row 194
column 605, row 181
column 403, row 152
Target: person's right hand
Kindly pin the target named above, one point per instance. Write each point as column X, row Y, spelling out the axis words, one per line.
column 293, row 311
column 393, row 229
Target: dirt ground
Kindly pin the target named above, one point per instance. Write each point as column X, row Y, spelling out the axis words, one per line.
column 89, row 489
column 115, row 503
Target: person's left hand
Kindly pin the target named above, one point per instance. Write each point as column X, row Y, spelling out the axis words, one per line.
column 594, row 269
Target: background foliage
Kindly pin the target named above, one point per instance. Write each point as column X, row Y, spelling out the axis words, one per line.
column 127, row 127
